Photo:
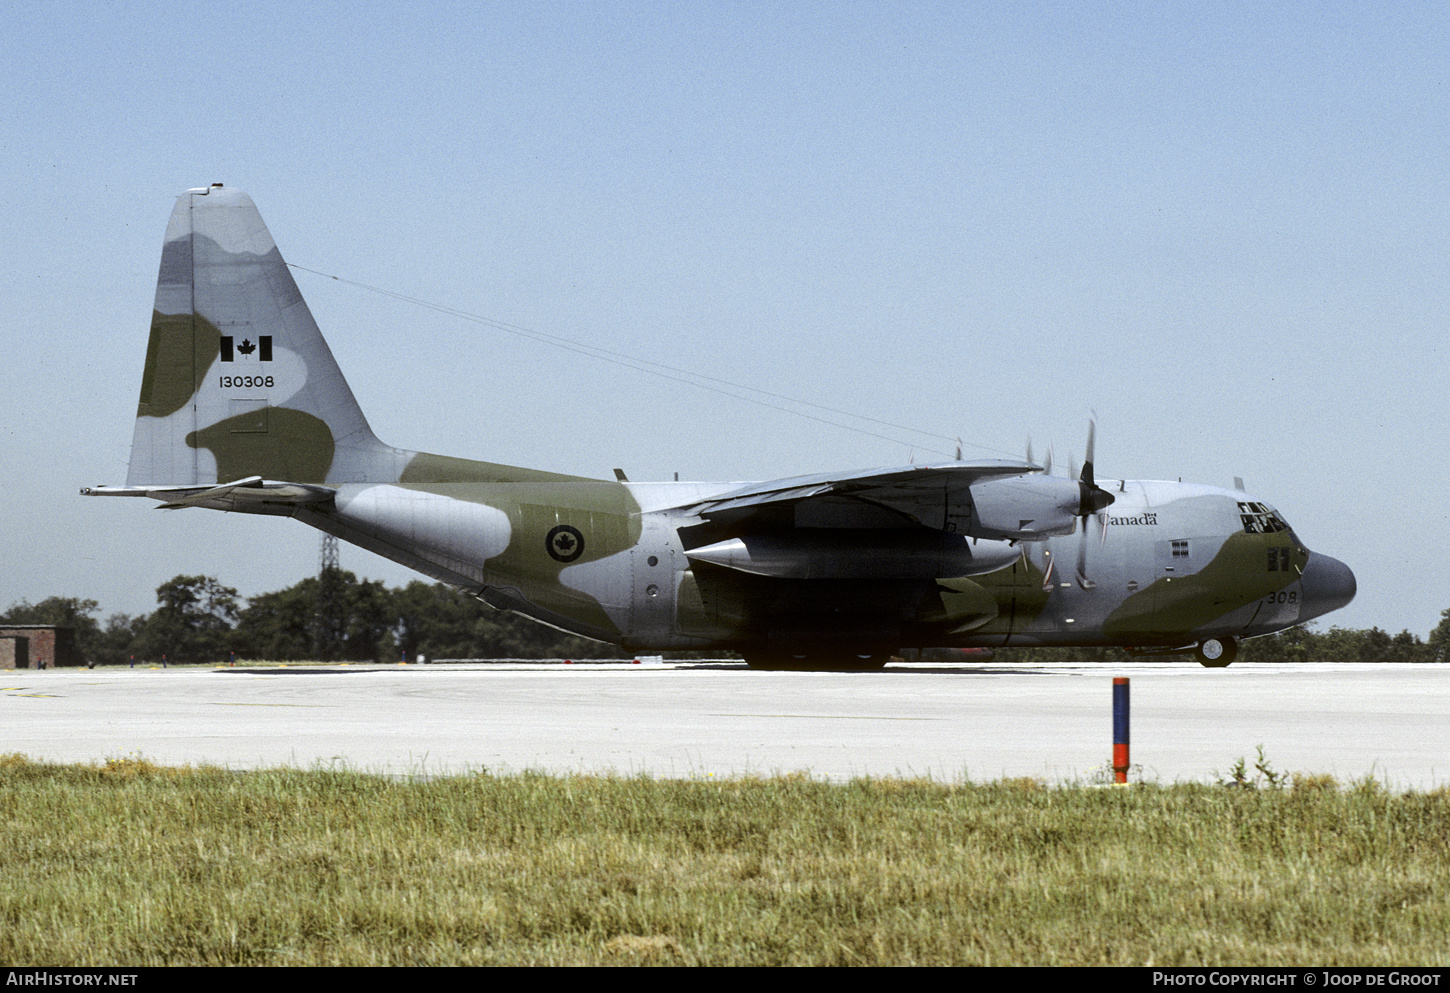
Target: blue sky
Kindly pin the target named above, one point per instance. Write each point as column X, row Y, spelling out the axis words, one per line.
column 1221, row 226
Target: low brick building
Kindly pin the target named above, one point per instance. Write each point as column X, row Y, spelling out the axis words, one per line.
column 45, row 646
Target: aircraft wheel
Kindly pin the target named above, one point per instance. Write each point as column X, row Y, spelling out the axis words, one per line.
column 1216, row 653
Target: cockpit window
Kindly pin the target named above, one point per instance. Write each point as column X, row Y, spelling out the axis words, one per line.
column 1259, row 518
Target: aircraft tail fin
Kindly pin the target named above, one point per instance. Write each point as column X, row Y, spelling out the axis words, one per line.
column 239, row 381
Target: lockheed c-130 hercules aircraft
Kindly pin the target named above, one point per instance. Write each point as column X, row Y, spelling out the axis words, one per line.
column 244, row 409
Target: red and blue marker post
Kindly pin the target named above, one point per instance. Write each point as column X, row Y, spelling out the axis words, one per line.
column 1120, row 729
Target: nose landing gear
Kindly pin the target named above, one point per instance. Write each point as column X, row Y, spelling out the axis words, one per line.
column 1216, row 653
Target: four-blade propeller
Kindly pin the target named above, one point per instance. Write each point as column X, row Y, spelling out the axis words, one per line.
column 1093, row 500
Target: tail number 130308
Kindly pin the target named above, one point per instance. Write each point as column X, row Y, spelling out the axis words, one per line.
column 245, row 382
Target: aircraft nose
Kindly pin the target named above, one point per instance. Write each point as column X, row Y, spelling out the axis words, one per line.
column 1328, row 585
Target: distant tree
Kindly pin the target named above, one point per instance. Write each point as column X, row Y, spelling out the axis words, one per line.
column 439, row 621
column 1407, row 647
column 331, row 613
column 1337, row 645
column 329, row 618
column 193, row 624
column 281, row 625
column 1294, row 645
column 1303, row 644
column 435, row 620
column 1439, row 644
column 514, row 636
column 371, row 617
column 119, row 635
column 65, row 611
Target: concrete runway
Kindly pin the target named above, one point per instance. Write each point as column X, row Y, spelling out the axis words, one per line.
column 949, row 722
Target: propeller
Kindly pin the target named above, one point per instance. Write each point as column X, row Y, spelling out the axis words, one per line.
column 1092, row 500
column 1048, row 563
column 1046, row 463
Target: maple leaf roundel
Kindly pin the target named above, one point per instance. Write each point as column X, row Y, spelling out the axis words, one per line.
column 565, row 543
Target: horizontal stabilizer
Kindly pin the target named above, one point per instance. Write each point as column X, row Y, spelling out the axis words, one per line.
column 242, row 494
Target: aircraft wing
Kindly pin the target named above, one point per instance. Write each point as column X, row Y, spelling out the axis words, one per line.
column 934, row 496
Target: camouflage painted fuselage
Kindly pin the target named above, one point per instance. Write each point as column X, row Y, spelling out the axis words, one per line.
column 1180, row 563
column 243, row 408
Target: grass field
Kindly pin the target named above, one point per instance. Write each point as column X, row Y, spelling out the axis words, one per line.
column 134, row 864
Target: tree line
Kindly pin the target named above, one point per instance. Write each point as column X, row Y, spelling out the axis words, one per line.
column 337, row 617
column 331, row 617
column 1300, row 644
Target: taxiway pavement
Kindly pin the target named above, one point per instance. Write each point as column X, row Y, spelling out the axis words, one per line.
column 949, row 722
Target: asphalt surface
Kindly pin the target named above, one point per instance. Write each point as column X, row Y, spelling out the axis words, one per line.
column 949, row 722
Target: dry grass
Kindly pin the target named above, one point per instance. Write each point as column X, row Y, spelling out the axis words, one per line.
column 134, row 864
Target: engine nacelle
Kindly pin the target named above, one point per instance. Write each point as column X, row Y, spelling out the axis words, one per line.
column 873, row 553
column 1025, row 508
